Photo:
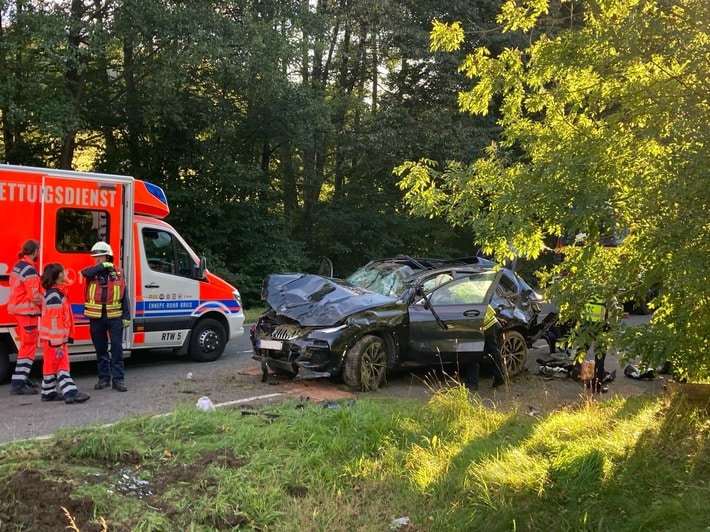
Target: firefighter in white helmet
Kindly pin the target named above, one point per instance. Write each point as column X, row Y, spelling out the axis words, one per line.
column 107, row 306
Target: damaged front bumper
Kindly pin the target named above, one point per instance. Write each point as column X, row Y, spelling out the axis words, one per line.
column 303, row 352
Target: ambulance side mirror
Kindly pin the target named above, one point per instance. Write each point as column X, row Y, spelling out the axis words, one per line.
column 201, row 268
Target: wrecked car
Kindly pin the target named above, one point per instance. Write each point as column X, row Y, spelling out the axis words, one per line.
column 391, row 314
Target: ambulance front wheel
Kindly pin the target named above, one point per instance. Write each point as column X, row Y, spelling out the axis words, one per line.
column 208, row 340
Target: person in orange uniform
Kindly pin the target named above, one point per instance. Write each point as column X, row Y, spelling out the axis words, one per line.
column 56, row 330
column 107, row 306
column 25, row 304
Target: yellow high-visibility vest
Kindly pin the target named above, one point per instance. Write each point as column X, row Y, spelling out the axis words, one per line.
column 595, row 312
column 490, row 318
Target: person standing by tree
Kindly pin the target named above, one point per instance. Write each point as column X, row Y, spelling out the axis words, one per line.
column 56, row 329
column 25, row 305
column 107, row 306
column 591, row 331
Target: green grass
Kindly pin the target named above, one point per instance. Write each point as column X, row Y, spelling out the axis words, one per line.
column 451, row 463
column 252, row 314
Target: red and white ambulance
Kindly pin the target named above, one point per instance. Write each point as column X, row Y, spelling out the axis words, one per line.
column 176, row 303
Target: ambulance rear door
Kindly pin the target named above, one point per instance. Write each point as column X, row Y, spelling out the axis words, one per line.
column 79, row 210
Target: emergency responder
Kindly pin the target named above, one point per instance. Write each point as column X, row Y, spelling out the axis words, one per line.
column 25, row 304
column 107, row 306
column 593, row 326
column 491, row 329
column 56, row 329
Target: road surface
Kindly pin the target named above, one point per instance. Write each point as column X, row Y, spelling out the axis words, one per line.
column 158, row 383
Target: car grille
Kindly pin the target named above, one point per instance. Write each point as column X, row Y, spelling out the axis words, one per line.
column 286, row 332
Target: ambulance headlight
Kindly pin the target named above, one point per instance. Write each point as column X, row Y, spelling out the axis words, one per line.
column 238, row 297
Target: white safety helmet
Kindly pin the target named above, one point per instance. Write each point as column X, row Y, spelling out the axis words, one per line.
column 101, row 248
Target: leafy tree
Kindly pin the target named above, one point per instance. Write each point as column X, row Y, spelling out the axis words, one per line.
column 605, row 133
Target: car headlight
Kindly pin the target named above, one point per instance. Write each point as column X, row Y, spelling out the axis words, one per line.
column 237, row 296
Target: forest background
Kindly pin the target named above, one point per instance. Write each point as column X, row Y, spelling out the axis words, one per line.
column 273, row 126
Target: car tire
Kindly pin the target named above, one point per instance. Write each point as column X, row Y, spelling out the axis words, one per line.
column 514, row 352
column 207, row 341
column 365, row 364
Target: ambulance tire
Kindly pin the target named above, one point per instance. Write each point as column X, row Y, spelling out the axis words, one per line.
column 207, row 341
column 4, row 363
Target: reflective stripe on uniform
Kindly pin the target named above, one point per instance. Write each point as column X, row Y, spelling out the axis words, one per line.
column 93, row 304
column 489, row 320
column 24, row 286
column 55, row 324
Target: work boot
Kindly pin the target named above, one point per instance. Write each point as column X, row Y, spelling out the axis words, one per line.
column 102, row 385
column 78, row 397
column 119, row 385
column 498, row 382
column 25, row 389
column 52, row 397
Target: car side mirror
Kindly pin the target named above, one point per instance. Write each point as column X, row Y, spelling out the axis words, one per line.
column 326, row 268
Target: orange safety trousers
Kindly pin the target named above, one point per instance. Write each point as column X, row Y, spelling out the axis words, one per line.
column 51, row 363
column 29, row 334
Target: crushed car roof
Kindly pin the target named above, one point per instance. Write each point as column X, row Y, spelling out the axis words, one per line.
column 313, row 300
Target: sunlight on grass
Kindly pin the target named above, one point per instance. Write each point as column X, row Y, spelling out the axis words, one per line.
column 453, row 463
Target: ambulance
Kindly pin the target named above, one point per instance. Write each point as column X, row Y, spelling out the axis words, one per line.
column 177, row 304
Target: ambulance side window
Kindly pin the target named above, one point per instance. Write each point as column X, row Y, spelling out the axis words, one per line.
column 166, row 254
column 79, row 229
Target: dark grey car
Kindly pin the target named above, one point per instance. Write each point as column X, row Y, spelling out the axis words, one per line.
column 391, row 314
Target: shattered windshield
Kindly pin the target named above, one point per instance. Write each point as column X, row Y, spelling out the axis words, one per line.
column 385, row 279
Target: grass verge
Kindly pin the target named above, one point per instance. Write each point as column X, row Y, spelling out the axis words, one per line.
column 252, row 314
column 449, row 464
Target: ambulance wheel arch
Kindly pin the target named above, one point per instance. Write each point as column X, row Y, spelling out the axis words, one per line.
column 208, row 339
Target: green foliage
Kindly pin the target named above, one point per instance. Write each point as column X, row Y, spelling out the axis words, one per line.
column 604, row 132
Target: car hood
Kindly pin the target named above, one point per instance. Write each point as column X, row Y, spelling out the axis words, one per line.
column 315, row 301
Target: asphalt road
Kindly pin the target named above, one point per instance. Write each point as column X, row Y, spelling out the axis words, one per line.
column 158, row 383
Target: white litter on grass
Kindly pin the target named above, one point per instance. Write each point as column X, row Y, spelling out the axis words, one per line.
column 205, row 403
column 399, row 522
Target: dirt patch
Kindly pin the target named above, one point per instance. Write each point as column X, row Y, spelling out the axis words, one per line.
column 196, row 477
column 33, row 503
column 317, row 391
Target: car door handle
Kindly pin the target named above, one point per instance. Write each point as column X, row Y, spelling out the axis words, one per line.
column 472, row 313
column 152, row 285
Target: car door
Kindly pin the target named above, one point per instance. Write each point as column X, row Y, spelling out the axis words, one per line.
column 460, row 305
